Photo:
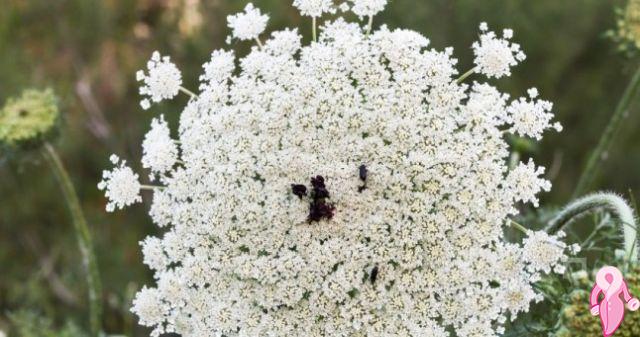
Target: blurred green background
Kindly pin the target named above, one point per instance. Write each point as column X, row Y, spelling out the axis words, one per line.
column 88, row 52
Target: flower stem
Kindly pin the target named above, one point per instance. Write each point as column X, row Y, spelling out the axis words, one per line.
column 610, row 202
column 465, row 75
column 518, row 226
column 370, row 24
column 150, row 187
column 604, row 144
column 259, row 42
column 83, row 235
column 188, row 92
column 313, row 29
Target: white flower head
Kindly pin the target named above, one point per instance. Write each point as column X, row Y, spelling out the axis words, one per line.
column 149, row 307
column 524, row 182
column 284, row 42
column 495, row 56
column 368, row 7
column 351, row 179
column 219, row 68
column 531, row 117
column 518, row 295
column 159, row 151
column 314, row 8
column 163, row 80
column 247, row 25
column 121, row 185
column 544, row 252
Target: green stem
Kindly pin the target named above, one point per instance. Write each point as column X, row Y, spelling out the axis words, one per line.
column 610, row 202
column 604, row 144
column 519, row 227
column 191, row 93
column 465, row 75
column 83, row 236
column 313, row 32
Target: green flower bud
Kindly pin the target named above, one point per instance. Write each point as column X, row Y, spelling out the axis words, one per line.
column 28, row 121
column 627, row 32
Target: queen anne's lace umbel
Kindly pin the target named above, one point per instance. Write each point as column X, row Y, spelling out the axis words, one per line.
column 400, row 232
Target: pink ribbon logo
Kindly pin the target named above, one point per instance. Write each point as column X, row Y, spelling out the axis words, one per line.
column 609, row 282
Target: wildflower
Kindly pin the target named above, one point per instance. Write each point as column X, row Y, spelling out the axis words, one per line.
column 531, row 117
column 29, row 120
column 495, row 56
column 425, row 242
column 162, row 82
column 219, row 68
column 544, row 252
column 368, row 7
column 314, row 8
column 524, row 183
column 149, row 307
column 248, row 25
column 518, row 296
column 121, row 185
column 160, row 152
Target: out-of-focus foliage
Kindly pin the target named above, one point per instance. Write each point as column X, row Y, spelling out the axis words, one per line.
column 30, row 324
column 89, row 50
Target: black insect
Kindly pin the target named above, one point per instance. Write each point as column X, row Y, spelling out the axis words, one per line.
column 374, row 275
column 363, row 172
column 299, row 190
column 363, row 176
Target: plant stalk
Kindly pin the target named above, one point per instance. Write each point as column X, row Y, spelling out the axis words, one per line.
column 610, row 202
column 313, row 29
column 83, row 236
column 604, row 144
column 465, row 75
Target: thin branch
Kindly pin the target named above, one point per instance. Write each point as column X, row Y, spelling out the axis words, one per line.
column 604, row 144
column 83, row 236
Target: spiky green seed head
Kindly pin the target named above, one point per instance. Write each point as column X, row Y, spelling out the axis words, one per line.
column 576, row 319
column 29, row 120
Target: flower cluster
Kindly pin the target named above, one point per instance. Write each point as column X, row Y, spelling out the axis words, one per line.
column 160, row 152
column 121, row 185
column 248, row 25
column 162, row 82
column 495, row 56
column 420, row 191
column 314, row 8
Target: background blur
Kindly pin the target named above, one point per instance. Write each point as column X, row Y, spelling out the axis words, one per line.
column 88, row 52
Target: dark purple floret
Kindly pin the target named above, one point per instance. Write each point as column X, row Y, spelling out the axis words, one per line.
column 319, row 210
column 317, row 182
column 299, row 190
column 319, row 189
